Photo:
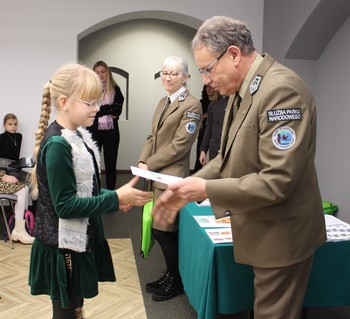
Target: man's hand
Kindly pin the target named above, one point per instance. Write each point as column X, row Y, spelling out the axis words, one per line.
column 167, row 207
column 176, row 196
column 190, row 189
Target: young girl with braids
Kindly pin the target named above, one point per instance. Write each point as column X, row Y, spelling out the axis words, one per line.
column 70, row 253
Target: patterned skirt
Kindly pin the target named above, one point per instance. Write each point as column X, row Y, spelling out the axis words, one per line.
column 9, row 188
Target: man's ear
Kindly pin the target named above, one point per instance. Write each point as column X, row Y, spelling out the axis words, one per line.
column 235, row 53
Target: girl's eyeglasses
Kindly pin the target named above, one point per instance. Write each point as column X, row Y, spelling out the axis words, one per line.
column 93, row 103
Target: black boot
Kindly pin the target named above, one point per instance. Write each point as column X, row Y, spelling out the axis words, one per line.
column 155, row 285
column 171, row 288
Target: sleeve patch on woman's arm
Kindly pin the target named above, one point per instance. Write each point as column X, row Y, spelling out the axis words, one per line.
column 193, row 115
column 191, row 127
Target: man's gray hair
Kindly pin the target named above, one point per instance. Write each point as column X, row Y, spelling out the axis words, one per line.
column 219, row 32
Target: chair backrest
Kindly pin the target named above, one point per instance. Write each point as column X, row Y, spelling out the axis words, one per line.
column 8, row 197
column 4, row 162
column 11, row 198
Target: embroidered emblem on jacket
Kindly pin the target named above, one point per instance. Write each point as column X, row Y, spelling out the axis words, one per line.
column 191, row 127
column 193, row 115
column 182, row 96
column 293, row 114
column 283, row 138
column 254, row 86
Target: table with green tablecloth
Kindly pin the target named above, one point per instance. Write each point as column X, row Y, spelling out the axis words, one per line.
column 214, row 283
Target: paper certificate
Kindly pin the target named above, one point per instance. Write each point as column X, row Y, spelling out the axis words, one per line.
column 337, row 230
column 207, row 221
column 157, row 177
column 205, row 202
column 220, row 235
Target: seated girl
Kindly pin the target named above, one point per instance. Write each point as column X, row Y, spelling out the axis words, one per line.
column 10, row 140
column 10, row 146
column 10, row 185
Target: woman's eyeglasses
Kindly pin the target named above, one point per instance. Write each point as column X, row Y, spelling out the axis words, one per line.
column 172, row 75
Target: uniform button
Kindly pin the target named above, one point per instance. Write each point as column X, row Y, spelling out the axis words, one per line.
column 228, row 213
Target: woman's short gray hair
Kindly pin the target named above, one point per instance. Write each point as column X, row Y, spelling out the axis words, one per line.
column 176, row 62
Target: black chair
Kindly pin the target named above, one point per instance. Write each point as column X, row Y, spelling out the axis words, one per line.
column 11, row 199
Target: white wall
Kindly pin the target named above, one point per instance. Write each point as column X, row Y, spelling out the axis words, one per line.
column 38, row 36
column 328, row 78
column 333, row 96
column 139, row 47
column 282, row 22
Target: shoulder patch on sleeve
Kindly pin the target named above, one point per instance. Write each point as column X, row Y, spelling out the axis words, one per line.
column 193, row 115
column 283, row 138
column 191, row 127
column 292, row 114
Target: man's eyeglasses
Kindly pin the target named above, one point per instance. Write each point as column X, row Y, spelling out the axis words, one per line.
column 208, row 70
column 172, row 75
column 93, row 103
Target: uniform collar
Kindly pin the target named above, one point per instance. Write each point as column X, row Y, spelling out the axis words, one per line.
column 174, row 96
column 248, row 78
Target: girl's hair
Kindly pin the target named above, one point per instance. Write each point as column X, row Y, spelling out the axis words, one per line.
column 71, row 80
column 9, row 116
column 109, row 91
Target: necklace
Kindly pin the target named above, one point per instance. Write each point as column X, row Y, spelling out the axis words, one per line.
column 12, row 139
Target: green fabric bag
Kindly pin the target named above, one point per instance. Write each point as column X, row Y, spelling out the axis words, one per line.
column 147, row 239
column 329, row 208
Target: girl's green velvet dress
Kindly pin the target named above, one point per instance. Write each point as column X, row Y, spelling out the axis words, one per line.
column 48, row 271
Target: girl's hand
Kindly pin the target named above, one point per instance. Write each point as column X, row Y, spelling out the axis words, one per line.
column 130, row 196
column 126, row 208
column 10, row 179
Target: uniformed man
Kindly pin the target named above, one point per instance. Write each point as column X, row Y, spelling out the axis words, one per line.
column 264, row 176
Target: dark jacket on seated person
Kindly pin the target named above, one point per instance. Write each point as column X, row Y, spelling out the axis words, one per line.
column 10, row 145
